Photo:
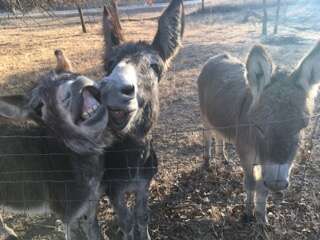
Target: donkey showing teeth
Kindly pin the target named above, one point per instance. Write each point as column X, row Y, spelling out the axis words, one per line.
column 262, row 111
column 50, row 151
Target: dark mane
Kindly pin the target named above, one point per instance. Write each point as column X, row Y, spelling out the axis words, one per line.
column 124, row 50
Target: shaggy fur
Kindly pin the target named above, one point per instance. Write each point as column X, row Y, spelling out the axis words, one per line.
column 40, row 169
column 262, row 111
column 131, row 161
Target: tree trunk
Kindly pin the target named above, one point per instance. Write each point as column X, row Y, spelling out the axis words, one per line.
column 275, row 30
column 202, row 5
column 265, row 19
column 84, row 29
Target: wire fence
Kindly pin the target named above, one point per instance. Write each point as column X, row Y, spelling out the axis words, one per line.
column 25, row 187
column 48, row 15
column 177, row 155
column 45, row 15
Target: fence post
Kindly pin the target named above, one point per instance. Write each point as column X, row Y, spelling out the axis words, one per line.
column 275, row 30
column 265, row 18
column 84, row 29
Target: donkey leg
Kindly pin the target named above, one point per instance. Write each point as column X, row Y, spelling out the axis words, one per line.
column 73, row 231
column 76, row 229
column 6, row 233
column 125, row 218
column 142, row 212
column 219, row 149
column 89, row 224
column 249, row 184
column 229, row 151
column 92, row 228
column 261, row 202
column 207, row 137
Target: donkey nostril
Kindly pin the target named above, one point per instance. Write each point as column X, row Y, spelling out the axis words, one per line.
column 127, row 90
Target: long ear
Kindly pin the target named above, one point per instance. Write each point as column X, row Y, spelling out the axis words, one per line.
column 63, row 63
column 307, row 72
column 115, row 17
column 170, row 31
column 259, row 71
column 14, row 107
column 111, row 26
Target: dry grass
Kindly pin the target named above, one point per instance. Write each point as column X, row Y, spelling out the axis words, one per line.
column 186, row 203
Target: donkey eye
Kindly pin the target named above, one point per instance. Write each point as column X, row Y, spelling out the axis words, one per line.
column 66, row 97
column 156, row 68
column 38, row 109
column 110, row 65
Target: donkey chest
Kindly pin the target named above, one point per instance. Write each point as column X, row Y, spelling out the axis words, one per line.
column 137, row 163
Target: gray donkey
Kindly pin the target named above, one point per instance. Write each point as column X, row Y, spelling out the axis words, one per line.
column 130, row 92
column 262, row 110
column 50, row 146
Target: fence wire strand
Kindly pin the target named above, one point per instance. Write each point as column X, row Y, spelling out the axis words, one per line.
column 175, row 134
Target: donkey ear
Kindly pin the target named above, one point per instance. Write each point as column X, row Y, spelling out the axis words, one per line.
column 307, row 72
column 259, row 70
column 170, row 30
column 115, row 17
column 111, row 26
column 14, row 107
column 63, row 63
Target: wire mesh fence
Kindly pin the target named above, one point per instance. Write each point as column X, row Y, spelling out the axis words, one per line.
column 182, row 194
column 44, row 14
column 26, row 188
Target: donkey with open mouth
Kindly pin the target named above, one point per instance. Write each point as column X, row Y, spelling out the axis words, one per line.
column 130, row 93
column 262, row 110
column 50, row 146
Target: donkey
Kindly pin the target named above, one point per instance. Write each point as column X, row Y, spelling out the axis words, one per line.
column 262, row 110
column 50, row 147
column 130, row 93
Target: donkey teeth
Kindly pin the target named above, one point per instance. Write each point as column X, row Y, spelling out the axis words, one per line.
column 90, row 112
column 95, row 107
column 85, row 115
column 118, row 114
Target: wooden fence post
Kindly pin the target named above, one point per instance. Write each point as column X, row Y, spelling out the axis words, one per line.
column 275, row 30
column 84, row 29
column 265, row 18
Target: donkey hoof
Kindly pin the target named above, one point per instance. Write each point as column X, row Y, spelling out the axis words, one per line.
column 142, row 233
column 261, row 219
column 125, row 236
column 8, row 234
column 247, row 218
column 206, row 163
column 226, row 162
column 11, row 237
column 205, row 166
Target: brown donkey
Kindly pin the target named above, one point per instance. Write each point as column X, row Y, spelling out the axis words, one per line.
column 262, row 110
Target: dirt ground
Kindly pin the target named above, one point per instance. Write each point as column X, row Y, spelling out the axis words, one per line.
column 186, row 203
